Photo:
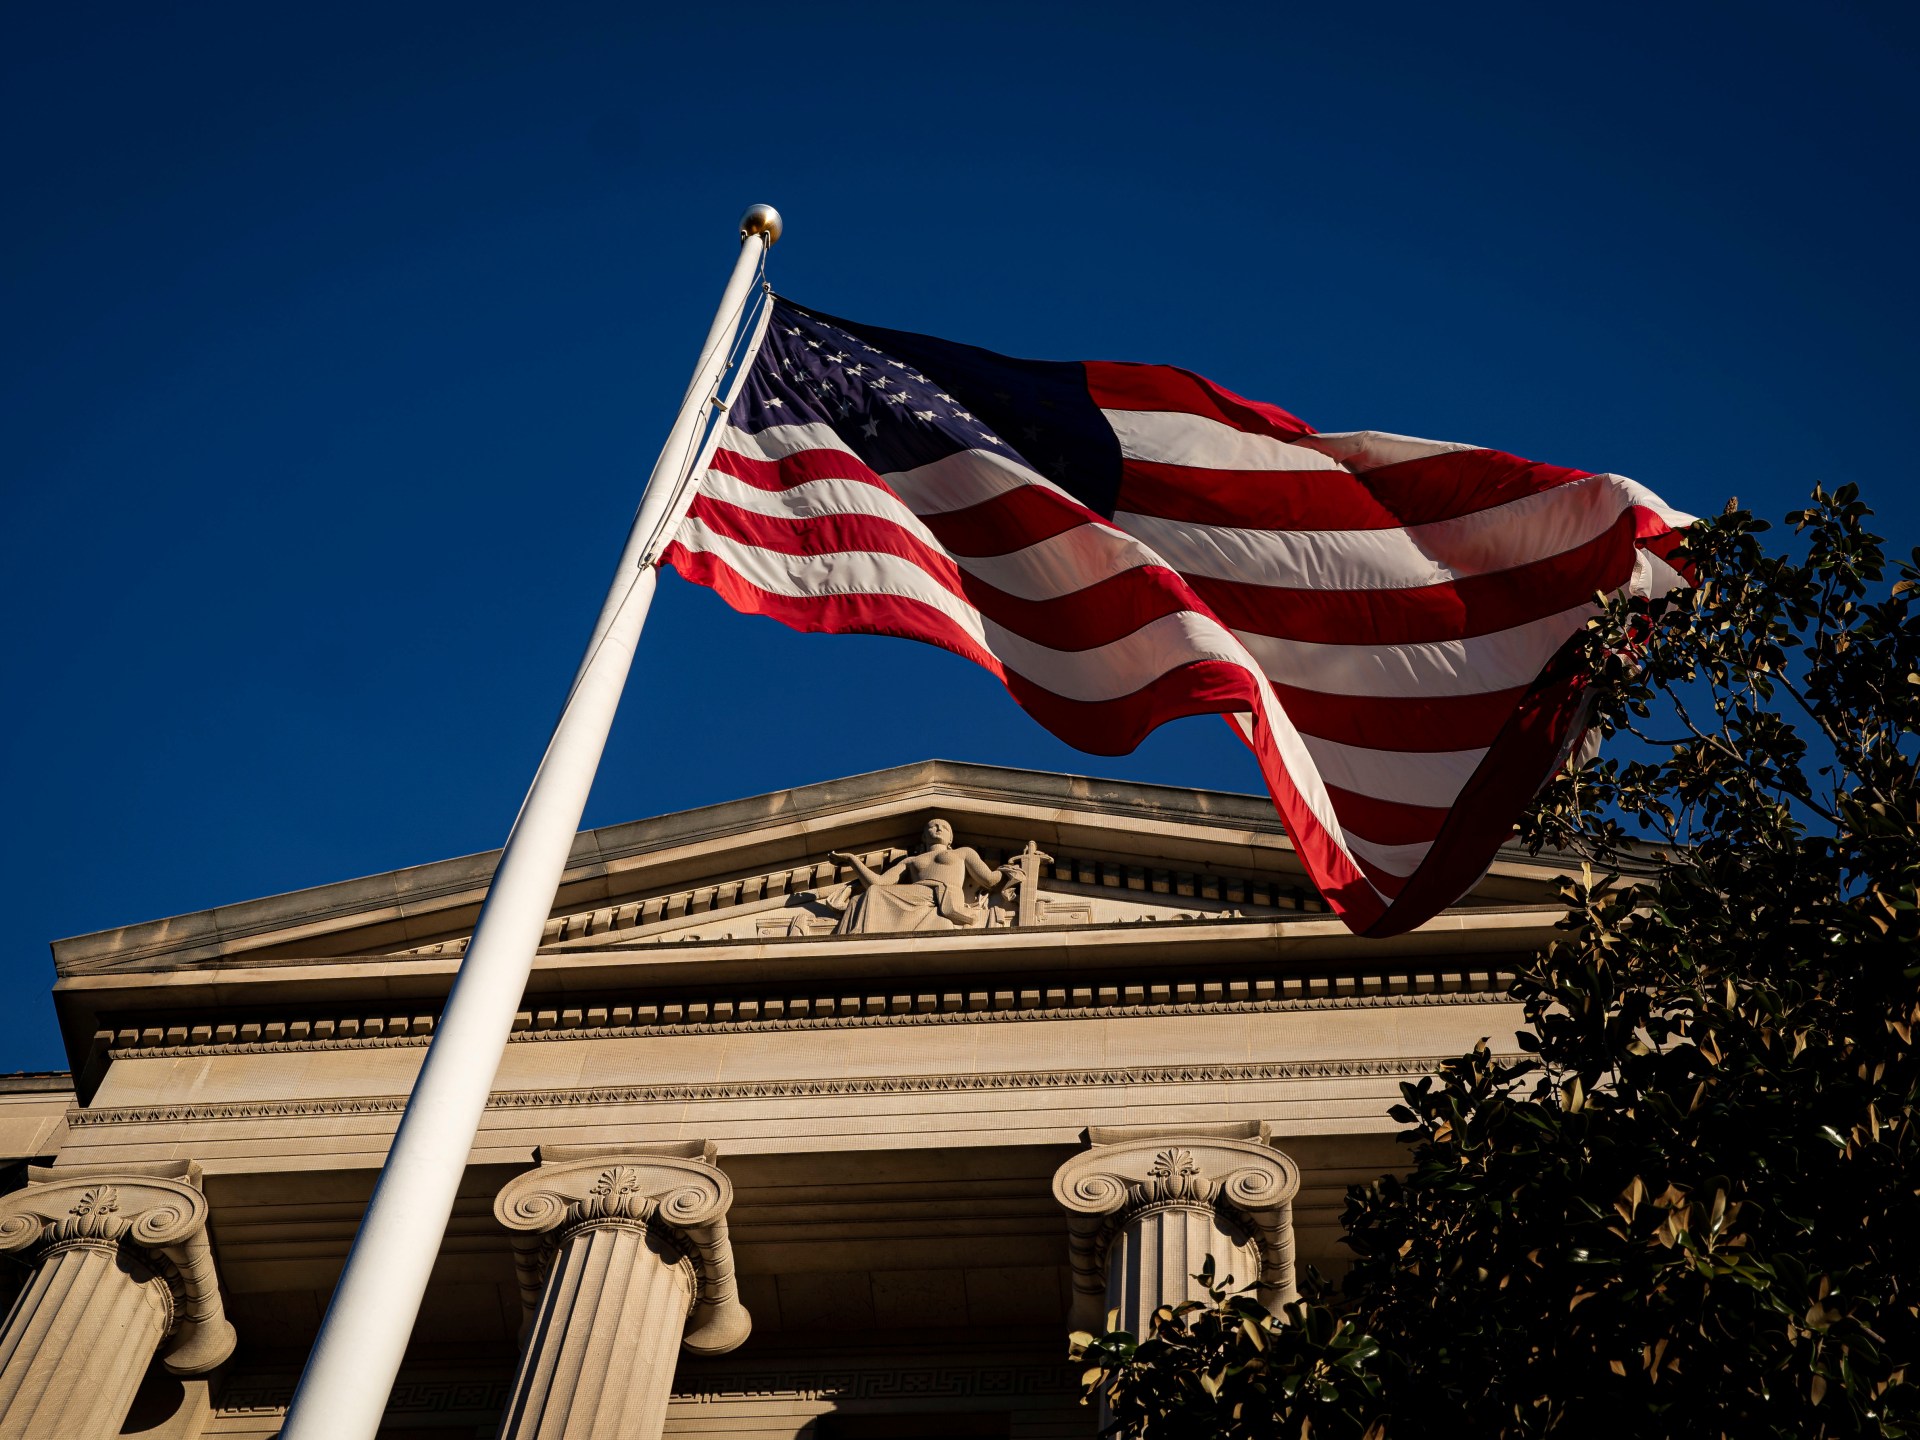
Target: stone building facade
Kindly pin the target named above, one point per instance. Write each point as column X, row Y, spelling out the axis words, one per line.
column 771, row 1154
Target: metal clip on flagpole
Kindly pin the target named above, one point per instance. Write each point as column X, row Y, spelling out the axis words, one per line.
column 357, row 1353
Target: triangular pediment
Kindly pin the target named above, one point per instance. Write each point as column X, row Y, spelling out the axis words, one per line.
column 1092, row 853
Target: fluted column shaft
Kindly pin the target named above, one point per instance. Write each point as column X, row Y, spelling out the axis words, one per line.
column 1153, row 1257
column 618, row 1247
column 601, row 1350
column 78, row 1342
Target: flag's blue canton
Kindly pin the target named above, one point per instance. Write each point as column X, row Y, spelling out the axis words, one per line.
column 901, row 400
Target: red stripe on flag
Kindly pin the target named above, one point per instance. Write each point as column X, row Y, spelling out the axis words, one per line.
column 1385, row 822
column 1251, row 499
column 1384, row 881
column 1344, row 885
column 1531, row 747
column 1660, row 538
column 1008, row 522
column 1413, row 724
column 1117, row 385
column 798, row 468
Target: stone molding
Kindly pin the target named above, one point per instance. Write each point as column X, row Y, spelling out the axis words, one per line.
column 917, row 1379
column 916, row 1375
column 1129, row 1172
column 893, row 1008
column 158, row 1212
column 785, row 1089
column 673, row 1190
column 438, row 1391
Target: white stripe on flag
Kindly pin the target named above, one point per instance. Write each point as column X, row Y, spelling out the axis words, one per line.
column 776, row 442
column 1647, row 500
column 1174, row 437
column 1364, row 450
column 1432, row 778
column 966, row 478
column 1401, row 860
column 1480, row 665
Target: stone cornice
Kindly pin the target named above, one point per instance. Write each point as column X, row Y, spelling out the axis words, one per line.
column 1454, row 944
column 181, row 1039
column 697, row 1090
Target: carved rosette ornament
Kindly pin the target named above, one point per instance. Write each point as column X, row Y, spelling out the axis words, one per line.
column 623, row 1260
column 122, row 1264
column 1148, row 1207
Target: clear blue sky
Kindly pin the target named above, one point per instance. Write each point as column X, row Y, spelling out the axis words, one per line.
column 336, row 340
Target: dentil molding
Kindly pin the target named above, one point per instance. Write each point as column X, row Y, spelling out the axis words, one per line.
column 777, row 1013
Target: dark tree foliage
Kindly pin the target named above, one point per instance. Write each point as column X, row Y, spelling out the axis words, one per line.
column 1690, row 1206
column 1229, row 1369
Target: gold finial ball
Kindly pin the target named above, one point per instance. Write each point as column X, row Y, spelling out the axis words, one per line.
column 761, row 220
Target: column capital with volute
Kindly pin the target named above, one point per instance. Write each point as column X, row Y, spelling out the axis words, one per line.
column 1228, row 1174
column 673, row 1188
column 158, row 1211
column 121, row 1263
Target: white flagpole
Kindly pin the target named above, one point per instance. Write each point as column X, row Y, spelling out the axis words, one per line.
column 357, row 1353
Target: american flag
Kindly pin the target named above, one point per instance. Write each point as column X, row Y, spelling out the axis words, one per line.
column 1384, row 619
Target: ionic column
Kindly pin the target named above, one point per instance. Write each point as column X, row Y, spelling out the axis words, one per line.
column 1148, row 1207
column 122, row 1263
column 624, row 1259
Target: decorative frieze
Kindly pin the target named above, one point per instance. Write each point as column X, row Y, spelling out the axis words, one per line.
column 696, row 1090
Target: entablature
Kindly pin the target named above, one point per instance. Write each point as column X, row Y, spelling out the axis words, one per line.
column 1045, row 972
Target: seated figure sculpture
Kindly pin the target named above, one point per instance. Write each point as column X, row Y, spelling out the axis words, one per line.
column 942, row 882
